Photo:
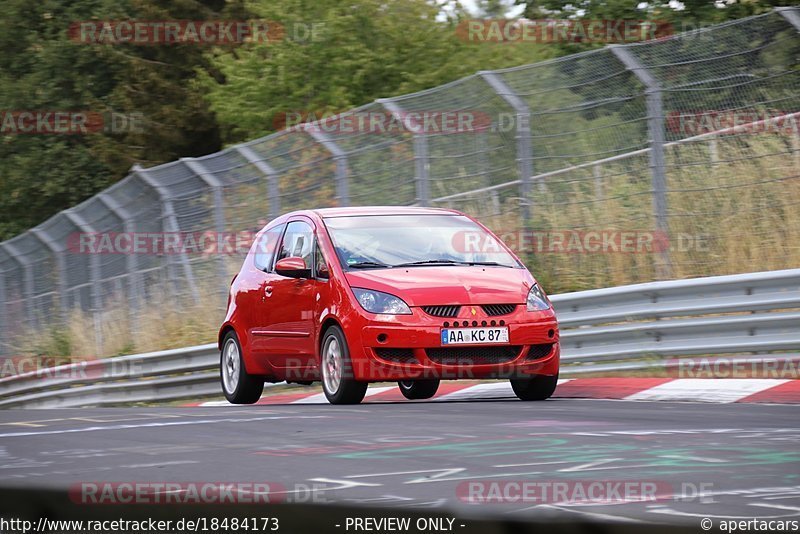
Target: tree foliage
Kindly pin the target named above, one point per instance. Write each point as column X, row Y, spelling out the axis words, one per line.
column 43, row 69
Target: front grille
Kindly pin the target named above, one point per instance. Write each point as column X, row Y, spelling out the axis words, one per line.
column 442, row 311
column 396, row 355
column 539, row 351
column 494, row 310
column 473, row 355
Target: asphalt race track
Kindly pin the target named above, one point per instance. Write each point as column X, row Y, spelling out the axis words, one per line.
column 707, row 460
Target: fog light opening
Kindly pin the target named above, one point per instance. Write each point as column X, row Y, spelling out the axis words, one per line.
column 382, row 338
column 551, row 333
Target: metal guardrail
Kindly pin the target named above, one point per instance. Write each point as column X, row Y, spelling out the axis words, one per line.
column 636, row 326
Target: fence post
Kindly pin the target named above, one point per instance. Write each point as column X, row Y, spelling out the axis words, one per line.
column 597, row 174
column 339, row 157
column 422, row 165
column 273, row 191
column 523, row 137
column 95, row 276
column 655, row 126
column 135, row 292
column 791, row 14
column 58, row 251
column 219, row 214
column 169, row 223
column 27, row 275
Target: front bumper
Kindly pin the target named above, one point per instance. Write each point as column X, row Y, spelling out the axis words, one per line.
column 409, row 347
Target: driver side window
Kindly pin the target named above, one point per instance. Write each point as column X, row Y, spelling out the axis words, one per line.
column 298, row 241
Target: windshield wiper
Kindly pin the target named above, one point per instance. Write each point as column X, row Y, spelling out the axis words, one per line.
column 451, row 262
column 427, row 262
column 368, row 265
column 491, row 263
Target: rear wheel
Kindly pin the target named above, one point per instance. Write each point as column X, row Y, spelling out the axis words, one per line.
column 418, row 389
column 539, row 387
column 338, row 379
column 238, row 386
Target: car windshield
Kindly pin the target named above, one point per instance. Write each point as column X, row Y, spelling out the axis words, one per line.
column 384, row 241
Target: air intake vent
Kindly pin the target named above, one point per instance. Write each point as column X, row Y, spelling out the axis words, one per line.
column 442, row 311
column 494, row 310
column 539, row 351
column 396, row 355
column 473, row 355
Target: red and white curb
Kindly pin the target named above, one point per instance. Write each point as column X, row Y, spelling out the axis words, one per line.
column 749, row 390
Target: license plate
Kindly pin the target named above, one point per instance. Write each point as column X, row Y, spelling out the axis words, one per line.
column 473, row 336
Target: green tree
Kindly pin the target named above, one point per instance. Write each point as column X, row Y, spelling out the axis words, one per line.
column 337, row 55
column 43, row 68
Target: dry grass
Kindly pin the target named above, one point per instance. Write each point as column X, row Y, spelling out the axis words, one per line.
column 163, row 323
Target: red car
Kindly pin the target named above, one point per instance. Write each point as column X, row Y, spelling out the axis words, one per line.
column 350, row 296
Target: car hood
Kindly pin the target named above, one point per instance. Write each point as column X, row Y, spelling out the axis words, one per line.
column 428, row 286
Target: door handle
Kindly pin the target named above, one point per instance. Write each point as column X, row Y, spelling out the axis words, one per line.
column 268, row 291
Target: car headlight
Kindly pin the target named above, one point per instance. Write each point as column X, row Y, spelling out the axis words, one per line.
column 537, row 300
column 378, row 302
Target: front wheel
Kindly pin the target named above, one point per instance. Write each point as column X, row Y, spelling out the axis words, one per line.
column 238, row 386
column 537, row 388
column 418, row 389
column 338, row 380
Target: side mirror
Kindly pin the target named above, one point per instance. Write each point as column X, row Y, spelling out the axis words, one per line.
column 294, row 267
column 323, row 271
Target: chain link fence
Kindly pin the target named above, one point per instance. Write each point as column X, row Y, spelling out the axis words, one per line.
column 692, row 139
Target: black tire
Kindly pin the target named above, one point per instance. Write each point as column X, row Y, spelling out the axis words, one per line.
column 246, row 388
column 538, row 388
column 347, row 390
column 418, row 389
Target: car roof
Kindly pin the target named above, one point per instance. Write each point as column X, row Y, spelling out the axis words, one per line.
column 327, row 213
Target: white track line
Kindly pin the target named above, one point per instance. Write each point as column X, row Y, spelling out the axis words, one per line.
column 490, row 390
column 319, row 398
column 706, row 390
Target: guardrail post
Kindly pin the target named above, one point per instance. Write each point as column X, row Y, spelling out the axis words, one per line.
column 219, row 214
column 4, row 329
column 790, row 14
column 169, row 223
column 135, row 291
column 655, row 125
column 339, row 158
column 27, row 275
column 523, row 137
column 58, row 250
column 273, row 191
column 422, row 165
column 95, row 276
